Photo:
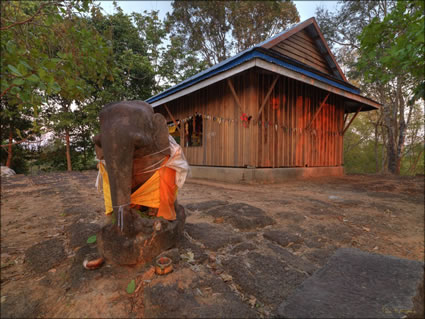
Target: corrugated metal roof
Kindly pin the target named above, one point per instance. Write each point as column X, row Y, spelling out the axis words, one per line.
column 244, row 56
column 220, row 67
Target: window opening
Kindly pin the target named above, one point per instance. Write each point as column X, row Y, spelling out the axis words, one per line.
column 193, row 129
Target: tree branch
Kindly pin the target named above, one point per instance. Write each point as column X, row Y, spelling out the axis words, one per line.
column 345, row 44
column 27, row 20
column 350, row 147
column 412, row 168
column 5, row 91
column 25, row 140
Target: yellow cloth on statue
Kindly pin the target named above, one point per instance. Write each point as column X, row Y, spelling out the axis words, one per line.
column 106, row 189
column 149, row 194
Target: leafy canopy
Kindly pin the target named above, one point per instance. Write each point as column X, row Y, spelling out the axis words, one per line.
column 395, row 46
column 48, row 49
column 219, row 29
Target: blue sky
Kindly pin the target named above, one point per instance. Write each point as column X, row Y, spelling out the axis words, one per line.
column 305, row 8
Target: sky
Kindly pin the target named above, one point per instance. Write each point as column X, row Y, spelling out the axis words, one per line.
column 306, row 9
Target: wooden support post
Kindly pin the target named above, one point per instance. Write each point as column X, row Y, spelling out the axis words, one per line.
column 352, row 119
column 345, row 119
column 266, row 98
column 235, row 95
column 317, row 112
column 172, row 117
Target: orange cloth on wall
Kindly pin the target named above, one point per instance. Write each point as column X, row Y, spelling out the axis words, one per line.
column 159, row 191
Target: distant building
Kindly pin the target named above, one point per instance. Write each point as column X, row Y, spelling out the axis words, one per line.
column 276, row 110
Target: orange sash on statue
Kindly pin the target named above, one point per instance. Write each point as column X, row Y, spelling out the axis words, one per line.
column 159, row 191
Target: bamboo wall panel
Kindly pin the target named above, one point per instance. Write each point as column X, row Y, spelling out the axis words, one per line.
column 277, row 137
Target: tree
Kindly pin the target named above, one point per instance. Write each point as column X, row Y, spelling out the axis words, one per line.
column 255, row 21
column 361, row 148
column 348, row 30
column 14, row 124
column 392, row 54
column 219, row 29
column 132, row 75
column 49, row 51
column 396, row 46
column 85, row 57
column 25, row 66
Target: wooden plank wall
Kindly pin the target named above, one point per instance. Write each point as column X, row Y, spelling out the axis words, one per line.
column 284, row 140
column 301, row 47
column 278, row 138
column 225, row 141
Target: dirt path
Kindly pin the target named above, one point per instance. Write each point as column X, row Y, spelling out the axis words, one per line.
column 246, row 247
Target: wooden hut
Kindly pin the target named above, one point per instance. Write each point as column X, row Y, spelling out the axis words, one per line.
column 277, row 110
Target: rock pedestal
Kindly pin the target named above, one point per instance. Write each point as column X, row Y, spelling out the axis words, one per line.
column 155, row 236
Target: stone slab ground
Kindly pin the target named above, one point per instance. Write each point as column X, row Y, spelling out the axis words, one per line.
column 357, row 284
column 247, row 248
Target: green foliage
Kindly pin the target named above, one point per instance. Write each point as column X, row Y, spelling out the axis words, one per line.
column 49, row 54
column 45, row 50
column 366, row 153
column 131, row 73
column 91, row 239
column 131, row 287
column 167, row 61
column 395, row 46
column 52, row 157
column 209, row 32
column 381, row 47
column 19, row 161
column 255, row 21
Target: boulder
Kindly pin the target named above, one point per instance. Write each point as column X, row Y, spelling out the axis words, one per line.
column 6, row 171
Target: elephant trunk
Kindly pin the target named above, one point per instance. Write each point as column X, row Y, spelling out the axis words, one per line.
column 119, row 165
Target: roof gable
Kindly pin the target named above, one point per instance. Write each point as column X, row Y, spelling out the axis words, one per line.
column 305, row 43
column 266, row 55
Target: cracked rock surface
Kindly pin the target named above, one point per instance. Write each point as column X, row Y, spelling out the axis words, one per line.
column 246, row 250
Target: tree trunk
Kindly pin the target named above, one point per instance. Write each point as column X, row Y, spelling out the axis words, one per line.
column 391, row 152
column 391, row 147
column 376, row 149
column 9, row 148
column 84, row 147
column 383, row 153
column 68, row 151
column 401, row 128
column 390, row 113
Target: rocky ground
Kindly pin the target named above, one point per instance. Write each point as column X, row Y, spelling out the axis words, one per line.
column 245, row 248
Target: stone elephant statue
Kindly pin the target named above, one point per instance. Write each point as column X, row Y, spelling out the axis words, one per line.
column 134, row 144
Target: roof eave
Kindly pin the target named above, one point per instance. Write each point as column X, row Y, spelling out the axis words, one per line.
column 291, row 72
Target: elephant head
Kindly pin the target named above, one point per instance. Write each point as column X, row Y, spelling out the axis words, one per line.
column 130, row 132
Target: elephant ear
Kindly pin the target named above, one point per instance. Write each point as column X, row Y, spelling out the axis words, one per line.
column 99, row 152
column 98, row 147
column 160, row 134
